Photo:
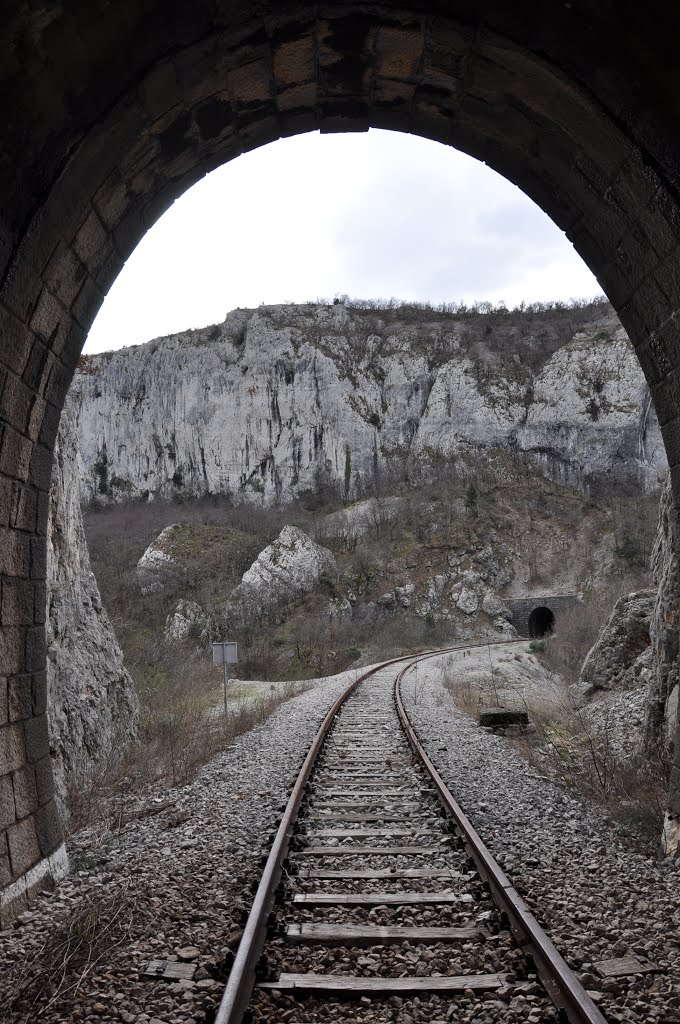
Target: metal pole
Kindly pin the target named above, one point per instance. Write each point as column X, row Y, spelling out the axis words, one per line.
column 226, row 680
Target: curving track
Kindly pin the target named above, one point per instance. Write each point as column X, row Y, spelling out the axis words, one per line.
column 378, row 900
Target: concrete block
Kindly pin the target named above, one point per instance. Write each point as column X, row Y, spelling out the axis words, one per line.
column 36, row 738
column 12, row 754
column 25, row 793
column 24, row 848
column 501, row 718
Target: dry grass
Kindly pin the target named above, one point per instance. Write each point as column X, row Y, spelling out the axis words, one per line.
column 72, row 953
column 564, row 744
column 183, row 727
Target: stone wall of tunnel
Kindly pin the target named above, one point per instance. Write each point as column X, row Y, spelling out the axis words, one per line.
column 113, row 110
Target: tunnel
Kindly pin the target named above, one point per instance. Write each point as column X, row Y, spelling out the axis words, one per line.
column 541, row 622
column 111, row 111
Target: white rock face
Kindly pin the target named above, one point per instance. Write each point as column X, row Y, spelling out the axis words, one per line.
column 285, row 570
column 281, row 399
column 92, row 704
column 156, row 568
column 187, row 622
column 468, row 601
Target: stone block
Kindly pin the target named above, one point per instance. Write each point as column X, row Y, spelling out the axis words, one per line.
column 39, row 690
column 25, row 792
column 36, row 738
column 40, row 466
column 7, row 808
column 92, row 243
column 65, row 274
column 4, row 701
column 12, row 641
column 12, row 755
column 6, row 500
column 36, row 649
column 38, row 569
column 49, row 425
column 50, row 833
column 17, row 340
column 24, row 848
column 19, row 698
column 39, row 602
column 18, row 600
column 5, row 869
column 24, row 505
column 17, row 401
column 44, row 780
column 15, row 454
column 39, row 362
column 50, row 321
column 15, row 553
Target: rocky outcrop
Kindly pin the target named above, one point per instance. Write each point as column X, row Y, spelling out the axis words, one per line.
column 282, row 400
column 620, row 657
column 92, row 703
column 291, row 566
column 661, row 715
column 157, row 568
column 189, row 622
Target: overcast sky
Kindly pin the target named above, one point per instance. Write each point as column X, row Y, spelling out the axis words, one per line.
column 371, row 215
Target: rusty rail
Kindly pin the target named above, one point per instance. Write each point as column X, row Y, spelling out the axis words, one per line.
column 564, row 989
column 242, row 975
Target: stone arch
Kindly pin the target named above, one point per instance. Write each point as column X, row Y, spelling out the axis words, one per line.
column 541, row 621
column 112, row 112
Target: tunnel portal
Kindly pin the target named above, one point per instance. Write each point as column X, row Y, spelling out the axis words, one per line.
column 541, row 622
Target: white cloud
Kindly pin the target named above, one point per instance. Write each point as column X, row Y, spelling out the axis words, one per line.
column 371, row 215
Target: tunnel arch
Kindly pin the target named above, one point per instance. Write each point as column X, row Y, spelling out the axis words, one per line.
column 541, row 622
column 129, row 104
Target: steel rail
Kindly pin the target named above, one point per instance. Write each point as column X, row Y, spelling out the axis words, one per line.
column 566, row 992
column 241, row 980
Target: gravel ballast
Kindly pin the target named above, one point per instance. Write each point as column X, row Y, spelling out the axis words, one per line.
column 169, row 884
column 595, row 895
column 172, row 882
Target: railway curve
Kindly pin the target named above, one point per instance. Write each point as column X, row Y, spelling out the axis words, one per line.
column 401, row 884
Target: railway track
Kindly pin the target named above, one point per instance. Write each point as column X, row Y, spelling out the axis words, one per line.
column 378, row 900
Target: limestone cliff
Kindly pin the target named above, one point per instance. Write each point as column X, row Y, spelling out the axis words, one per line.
column 662, row 701
column 92, row 704
column 283, row 399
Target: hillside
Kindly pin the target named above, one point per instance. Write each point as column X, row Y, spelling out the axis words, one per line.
column 287, row 402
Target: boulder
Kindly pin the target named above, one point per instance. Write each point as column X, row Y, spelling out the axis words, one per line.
column 468, row 601
column 611, row 663
column 288, row 568
column 492, row 604
column 189, row 622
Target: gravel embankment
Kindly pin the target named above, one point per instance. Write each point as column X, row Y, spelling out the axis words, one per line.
column 169, row 884
column 596, row 896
